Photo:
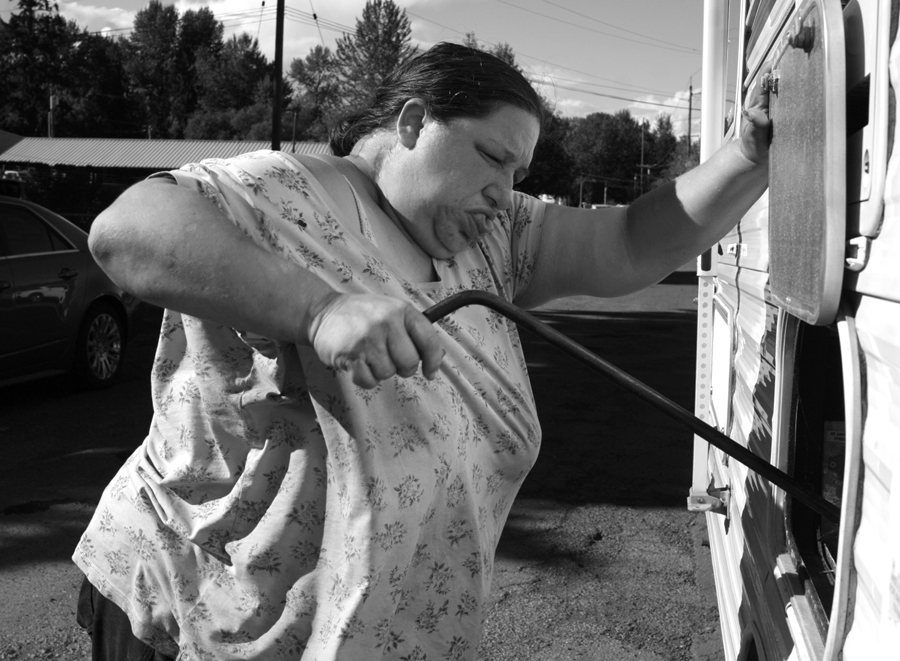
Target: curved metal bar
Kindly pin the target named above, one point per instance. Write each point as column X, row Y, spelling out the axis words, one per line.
column 716, row 438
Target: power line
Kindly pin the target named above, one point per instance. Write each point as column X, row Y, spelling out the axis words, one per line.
column 591, row 18
column 541, row 60
column 553, row 80
column 620, row 98
column 266, row 14
column 679, row 49
column 571, row 89
column 241, row 17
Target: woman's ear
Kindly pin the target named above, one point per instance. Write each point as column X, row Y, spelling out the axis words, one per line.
column 411, row 121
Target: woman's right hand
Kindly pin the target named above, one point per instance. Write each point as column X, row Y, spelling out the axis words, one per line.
column 373, row 338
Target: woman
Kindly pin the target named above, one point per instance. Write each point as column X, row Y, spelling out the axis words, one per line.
column 327, row 474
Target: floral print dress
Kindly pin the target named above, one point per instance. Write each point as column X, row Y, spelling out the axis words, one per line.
column 278, row 511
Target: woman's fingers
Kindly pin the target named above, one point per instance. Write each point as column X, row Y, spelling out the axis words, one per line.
column 756, row 130
column 759, row 95
column 403, row 353
column 374, row 338
column 362, row 375
column 427, row 342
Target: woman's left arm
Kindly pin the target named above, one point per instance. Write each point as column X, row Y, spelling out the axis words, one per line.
column 619, row 250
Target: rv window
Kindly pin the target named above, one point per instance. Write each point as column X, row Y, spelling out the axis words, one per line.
column 817, row 453
column 757, row 16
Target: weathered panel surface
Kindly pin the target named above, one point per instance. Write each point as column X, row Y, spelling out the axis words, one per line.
column 807, row 194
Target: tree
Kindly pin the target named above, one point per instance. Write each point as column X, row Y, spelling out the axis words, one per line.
column 681, row 161
column 97, row 101
column 151, row 64
column 380, row 43
column 607, row 153
column 35, row 50
column 318, row 101
column 235, row 93
column 228, row 79
column 552, row 168
column 502, row 50
column 660, row 151
column 199, row 35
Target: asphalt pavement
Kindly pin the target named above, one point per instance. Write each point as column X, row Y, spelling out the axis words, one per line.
column 599, row 559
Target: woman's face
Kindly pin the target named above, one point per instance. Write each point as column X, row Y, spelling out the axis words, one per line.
column 448, row 181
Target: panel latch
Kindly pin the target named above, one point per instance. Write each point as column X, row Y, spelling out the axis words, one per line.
column 713, row 500
column 857, row 253
column 769, row 81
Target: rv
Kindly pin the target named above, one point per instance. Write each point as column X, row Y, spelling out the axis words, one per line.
column 798, row 334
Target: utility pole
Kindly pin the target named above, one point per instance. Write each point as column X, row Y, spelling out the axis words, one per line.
column 690, row 108
column 642, row 156
column 276, row 100
column 50, row 130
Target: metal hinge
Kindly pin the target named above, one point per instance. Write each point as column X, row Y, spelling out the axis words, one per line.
column 713, row 500
column 737, row 249
column 857, row 253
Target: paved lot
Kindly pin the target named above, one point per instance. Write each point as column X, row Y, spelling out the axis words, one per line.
column 599, row 559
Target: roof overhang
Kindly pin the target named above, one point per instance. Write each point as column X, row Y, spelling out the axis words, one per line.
column 138, row 154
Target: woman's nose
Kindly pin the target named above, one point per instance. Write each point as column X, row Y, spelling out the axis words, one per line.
column 500, row 195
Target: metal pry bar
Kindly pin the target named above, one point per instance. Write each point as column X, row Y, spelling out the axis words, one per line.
column 712, row 435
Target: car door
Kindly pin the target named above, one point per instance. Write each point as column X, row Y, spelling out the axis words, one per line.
column 41, row 308
column 6, row 301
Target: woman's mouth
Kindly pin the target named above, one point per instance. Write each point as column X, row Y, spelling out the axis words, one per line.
column 484, row 224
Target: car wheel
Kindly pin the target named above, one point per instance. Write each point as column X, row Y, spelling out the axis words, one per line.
column 100, row 350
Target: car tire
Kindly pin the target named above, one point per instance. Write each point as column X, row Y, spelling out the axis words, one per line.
column 100, row 348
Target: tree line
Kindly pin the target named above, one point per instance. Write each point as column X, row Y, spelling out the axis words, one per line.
column 176, row 76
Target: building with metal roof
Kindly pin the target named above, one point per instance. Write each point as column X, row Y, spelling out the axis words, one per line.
column 116, row 153
column 79, row 177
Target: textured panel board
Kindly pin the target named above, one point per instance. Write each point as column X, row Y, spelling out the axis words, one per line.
column 807, row 196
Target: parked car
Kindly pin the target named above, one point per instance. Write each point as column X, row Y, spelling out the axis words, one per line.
column 59, row 313
column 11, row 187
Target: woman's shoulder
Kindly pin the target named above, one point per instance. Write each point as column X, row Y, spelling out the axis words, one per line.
column 322, row 166
column 318, row 162
column 335, row 173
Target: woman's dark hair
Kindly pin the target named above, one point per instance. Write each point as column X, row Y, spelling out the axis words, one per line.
column 453, row 80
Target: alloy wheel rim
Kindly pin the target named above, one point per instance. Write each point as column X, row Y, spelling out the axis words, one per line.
column 104, row 347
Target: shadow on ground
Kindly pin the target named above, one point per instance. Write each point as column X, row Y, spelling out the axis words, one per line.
column 602, row 444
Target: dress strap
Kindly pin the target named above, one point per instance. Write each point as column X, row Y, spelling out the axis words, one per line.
column 364, row 226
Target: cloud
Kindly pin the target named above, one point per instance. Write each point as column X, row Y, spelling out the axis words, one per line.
column 96, row 18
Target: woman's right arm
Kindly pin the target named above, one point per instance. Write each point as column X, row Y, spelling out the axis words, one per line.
column 170, row 246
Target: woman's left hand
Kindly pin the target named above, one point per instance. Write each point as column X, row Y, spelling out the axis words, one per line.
column 756, row 129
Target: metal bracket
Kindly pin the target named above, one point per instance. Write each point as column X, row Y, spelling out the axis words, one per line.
column 769, row 81
column 859, row 245
column 713, row 500
column 737, row 249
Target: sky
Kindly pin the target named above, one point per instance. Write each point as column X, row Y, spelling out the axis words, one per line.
column 584, row 55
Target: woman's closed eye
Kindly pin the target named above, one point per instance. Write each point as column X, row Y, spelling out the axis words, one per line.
column 491, row 158
column 500, row 162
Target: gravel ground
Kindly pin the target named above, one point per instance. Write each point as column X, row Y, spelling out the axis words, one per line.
column 599, row 559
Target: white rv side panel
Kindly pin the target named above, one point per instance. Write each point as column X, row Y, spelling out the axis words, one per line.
column 881, row 277
column 875, row 631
